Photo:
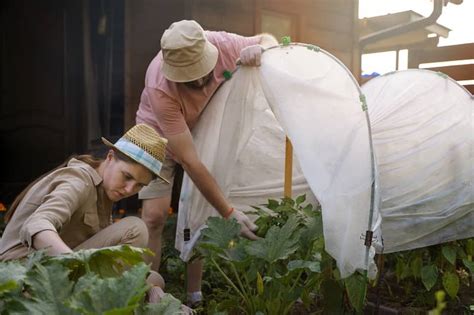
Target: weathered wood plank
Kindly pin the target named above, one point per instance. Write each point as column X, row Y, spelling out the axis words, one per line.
column 461, row 72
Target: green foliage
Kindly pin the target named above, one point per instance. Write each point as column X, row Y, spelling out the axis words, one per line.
column 429, row 276
column 80, row 283
column 451, row 283
column 287, row 263
column 440, row 303
column 422, row 272
column 356, row 287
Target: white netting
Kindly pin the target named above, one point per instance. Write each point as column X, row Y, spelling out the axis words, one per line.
column 423, row 134
column 317, row 101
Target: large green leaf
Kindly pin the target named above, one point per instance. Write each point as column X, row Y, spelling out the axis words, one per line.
column 313, row 229
column 449, row 252
column 313, row 266
column 107, row 261
column 429, row 275
column 279, row 243
column 451, row 283
column 93, row 295
column 221, row 232
column 50, row 287
column 168, row 305
column 12, row 275
column 356, row 287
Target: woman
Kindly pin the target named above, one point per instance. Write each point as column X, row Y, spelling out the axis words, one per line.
column 70, row 207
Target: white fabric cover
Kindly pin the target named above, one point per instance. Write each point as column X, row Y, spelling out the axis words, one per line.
column 243, row 146
column 423, row 134
column 316, row 100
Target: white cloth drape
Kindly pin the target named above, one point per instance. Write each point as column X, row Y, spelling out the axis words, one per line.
column 423, row 134
column 421, row 182
column 316, row 101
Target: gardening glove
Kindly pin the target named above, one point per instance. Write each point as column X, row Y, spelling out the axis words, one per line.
column 154, row 294
column 246, row 225
column 251, row 56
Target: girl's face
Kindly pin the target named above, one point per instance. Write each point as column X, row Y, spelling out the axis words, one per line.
column 123, row 179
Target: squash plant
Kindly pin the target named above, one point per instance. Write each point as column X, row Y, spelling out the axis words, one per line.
column 422, row 272
column 287, row 264
column 110, row 280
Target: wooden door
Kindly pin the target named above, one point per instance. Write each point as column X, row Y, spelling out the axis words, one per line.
column 41, row 83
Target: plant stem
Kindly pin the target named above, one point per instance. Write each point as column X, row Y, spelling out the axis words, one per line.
column 301, row 271
column 88, row 268
column 242, row 287
column 229, row 280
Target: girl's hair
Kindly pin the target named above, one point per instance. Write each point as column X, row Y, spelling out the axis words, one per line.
column 93, row 161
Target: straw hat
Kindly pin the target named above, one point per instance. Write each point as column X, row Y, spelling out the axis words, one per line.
column 187, row 54
column 144, row 145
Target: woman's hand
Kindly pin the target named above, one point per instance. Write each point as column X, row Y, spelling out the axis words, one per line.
column 246, row 225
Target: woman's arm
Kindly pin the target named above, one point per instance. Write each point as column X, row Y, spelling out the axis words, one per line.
column 50, row 241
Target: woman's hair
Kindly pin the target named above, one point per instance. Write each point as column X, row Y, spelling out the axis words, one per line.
column 93, row 161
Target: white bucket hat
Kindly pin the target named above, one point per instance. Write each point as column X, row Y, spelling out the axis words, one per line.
column 187, row 54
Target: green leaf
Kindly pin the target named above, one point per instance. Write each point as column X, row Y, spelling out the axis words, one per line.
column 429, row 276
column 50, row 286
column 272, row 204
column 313, row 229
column 416, row 265
column 107, row 262
column 114, row 295
column 356, row 288
column 470, row 247
column 220, row 232
column 401, row 269
column 469, row 265
column 451, row 283
column 449, row 252
column 259, row 284
column 12, row 275
column 279, row 243
column 300, row 199
column 313, row 266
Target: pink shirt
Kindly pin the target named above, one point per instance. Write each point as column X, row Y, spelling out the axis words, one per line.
column 172, row 107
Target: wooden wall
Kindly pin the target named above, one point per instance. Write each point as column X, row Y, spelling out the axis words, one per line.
column 145, row 22
column 41, row 108
column 447, row 53
column 329, row 24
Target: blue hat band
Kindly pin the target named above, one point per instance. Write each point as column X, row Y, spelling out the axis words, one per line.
column 139, row 155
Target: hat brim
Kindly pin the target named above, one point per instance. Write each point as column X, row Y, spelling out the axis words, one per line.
column 195, row 71
column 111, row 145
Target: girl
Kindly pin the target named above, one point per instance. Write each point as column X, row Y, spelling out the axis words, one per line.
column 70, row 207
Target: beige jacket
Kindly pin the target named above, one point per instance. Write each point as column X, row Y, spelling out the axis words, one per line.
column 70, row 200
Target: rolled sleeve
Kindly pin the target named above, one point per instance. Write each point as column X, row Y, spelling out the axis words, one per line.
column 56, row 207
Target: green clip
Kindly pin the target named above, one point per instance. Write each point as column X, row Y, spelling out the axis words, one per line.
column 363, row 101
column 227, row 74
column 312, row 47
column 285, row 40
column 389, row 73
column 443, row 75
